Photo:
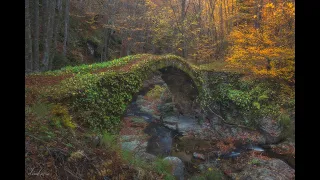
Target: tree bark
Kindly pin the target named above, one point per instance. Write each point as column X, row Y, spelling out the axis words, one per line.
column 51, row 25
column 221, row 22
column 66, row 24
column 226, row 12
column 28, row 41
column 211, row 17
column 56, row 27
column 232, row 7
column 123, row 48
column 199, row 18
column 35, row 33
column 45, row 22
column 184, row 48
column 106, row 43
column 258, row 14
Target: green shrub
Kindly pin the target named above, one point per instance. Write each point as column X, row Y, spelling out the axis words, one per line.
column 61, row 116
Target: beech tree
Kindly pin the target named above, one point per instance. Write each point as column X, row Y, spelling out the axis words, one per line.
column 256, row 35
column 265, row 47
column 35, row 35
column 28, row 40
column 66, row 25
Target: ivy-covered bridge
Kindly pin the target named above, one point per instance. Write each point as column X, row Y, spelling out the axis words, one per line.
column 98, row 94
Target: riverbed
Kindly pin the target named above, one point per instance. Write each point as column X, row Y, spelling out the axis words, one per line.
column 158, row 134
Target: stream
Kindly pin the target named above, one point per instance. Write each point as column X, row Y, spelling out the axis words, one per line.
column 166, row 141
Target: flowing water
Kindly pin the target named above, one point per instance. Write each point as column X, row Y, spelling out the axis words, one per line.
column 165, row 141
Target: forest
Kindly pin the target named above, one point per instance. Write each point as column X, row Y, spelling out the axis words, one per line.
column 159, row 89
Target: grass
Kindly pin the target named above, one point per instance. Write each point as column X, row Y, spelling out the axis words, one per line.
column 109, row 140
column 163, row 167
column 59, row 135
column 159, row 166
column 85, row 68
column 50, row 145
column 39, row 109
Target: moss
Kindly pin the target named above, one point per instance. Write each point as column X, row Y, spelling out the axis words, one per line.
column 61, row 116
column 286, row 124
column 246, row 101
column 156, row 92
column 100, row 99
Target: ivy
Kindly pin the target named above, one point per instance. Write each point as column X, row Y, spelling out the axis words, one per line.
column 252, row 99
column 99, row 99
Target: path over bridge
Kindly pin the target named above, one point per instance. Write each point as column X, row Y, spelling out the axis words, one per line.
column 99, row 93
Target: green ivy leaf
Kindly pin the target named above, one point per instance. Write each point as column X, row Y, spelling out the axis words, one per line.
column 256, row 104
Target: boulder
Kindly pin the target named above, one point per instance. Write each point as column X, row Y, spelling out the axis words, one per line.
column 146, row 156
column 286, row 147
column 166, row 108
column 270, row 169
column 271, row 130
column 130, row 146
column 183, row 124
column 177, row 167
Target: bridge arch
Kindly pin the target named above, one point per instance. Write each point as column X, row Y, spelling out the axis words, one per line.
column 101, row 98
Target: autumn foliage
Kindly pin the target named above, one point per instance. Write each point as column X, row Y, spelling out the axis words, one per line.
column 269, row 49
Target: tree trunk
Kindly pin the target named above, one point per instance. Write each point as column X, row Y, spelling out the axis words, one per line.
column 56, row 32
column 51, row 25
column 199, row 18
column 108, row 42
column 184, row 43
column 28, row 40
column 35, row 33
column 221, row 22
column 226, row 12
column 66, row 24
column 258, row 14
column 105, row 46
column 123, row 48
column 46, row 22
column 213, row 29
column 232, row 7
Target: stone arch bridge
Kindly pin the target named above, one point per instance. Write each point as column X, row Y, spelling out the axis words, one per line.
column 99, row 93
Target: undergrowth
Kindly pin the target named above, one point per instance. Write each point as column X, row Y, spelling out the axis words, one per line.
column 246, row 101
